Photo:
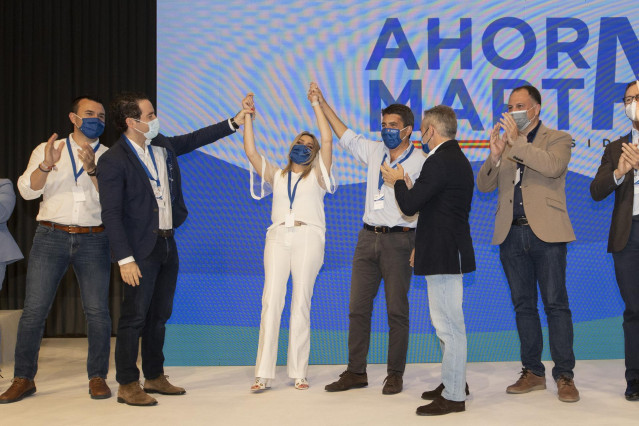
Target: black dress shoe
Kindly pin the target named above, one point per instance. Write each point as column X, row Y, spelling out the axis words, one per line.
column 393, row 384
column 430, row 395
column 441, row 406
column 348, row 380
column 632, row 391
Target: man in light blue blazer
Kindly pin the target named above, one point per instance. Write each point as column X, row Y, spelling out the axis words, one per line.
column 9, row 250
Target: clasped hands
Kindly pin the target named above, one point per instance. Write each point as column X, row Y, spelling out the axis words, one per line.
column 248, row 103
column 498, row 141
column 628, row 160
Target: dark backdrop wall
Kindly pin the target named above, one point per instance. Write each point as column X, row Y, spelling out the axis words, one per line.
column 53, row 51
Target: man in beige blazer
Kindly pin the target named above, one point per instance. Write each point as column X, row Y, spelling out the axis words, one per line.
column 528, row 165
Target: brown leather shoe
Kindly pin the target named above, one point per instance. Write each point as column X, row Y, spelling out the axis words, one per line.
column 527, row 382
column 132, row 394
column 348, row 380
column 98, row 389
column 566, row 389
column 162, row 386
column 441, row 406
column 20, row 388
column 393, row 384
column 431, row 395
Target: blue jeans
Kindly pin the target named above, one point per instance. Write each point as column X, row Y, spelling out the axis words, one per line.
column 527, row 260
column 445, row 297
column 145, row 310
column 52, row 253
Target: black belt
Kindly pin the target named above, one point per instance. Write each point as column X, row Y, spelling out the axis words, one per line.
column 165, row 233
column 520, row 221
column 387, row 229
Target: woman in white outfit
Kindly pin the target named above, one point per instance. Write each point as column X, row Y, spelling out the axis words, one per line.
column 294, row 243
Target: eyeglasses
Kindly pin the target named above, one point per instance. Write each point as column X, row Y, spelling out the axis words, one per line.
column 629, row 99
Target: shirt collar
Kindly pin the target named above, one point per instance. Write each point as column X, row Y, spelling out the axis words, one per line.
column 139, row 149
column 432, row 151
column 75, row 145
column 401, row 156
column 533, row 133
column 635, row 135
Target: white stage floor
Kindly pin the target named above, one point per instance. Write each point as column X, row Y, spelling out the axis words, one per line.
column 220, row 396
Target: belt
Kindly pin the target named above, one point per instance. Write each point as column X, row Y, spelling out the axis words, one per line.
column 73, row 229
column 520, row 221
column 297, row 223
column 165, row 233
column 635, row 218
column 387, row 229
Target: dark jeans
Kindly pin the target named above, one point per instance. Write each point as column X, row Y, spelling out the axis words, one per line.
column 380, row 256
column 627, row 273
column 145, row 310
column 527, row 261
column 52, row 252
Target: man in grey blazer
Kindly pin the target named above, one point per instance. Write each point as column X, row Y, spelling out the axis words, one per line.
column 618, row 173
column 9, row 250
column 528, row 164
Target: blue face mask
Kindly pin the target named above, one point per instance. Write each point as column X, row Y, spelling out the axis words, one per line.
column 92, row 128
column 300, row 154
column 425, row 146
column 391, row 137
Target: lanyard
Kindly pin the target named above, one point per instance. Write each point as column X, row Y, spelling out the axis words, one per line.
column 146, row 169
column 381, row 179
column 291, row 196
column 77, row 173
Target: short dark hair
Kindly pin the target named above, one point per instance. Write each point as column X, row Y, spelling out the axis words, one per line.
column 532, row 91
column 403, row 111
column 443, row 119
column 76, row 102
column 125, row 105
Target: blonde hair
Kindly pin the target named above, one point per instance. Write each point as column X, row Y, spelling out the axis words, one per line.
column 314, row 152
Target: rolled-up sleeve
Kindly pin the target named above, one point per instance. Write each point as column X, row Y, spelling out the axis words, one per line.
column 357, row 145
column 24, row 181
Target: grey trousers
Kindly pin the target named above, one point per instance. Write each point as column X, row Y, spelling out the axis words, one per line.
column 377, row 257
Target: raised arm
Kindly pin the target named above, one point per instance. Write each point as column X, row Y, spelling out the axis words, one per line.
column 336, row 123
column 249, row 138
column 326, row 135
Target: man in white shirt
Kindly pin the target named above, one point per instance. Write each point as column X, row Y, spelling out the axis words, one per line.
column 70, row 232
column 384, row 247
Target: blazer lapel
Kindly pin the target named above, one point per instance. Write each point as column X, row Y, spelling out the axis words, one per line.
column 135, row 162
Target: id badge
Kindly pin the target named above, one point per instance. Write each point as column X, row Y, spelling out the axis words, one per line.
column 157, row 191
column 517, row 176
column 290, row 220
column 378, row 201
column 78, row 194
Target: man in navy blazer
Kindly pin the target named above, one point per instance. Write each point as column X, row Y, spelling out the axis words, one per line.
column 443, row 246
column 618, row 173
column 142, row 204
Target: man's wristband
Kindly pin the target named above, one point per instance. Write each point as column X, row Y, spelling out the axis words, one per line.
column 234, row 124
column 45, row 170
column 93, row 172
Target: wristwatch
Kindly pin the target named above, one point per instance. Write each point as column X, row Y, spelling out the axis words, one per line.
column 234, row 124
